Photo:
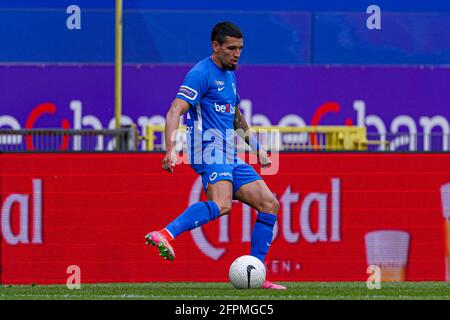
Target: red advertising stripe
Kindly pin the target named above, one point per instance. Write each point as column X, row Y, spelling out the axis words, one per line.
column 93, row 210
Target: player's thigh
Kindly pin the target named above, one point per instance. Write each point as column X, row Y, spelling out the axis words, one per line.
column 258, row 195
column 221, row 193
column 217, row 180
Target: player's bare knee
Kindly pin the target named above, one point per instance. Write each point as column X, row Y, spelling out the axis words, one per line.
column 225, row 208
column 271, row 205
column 276, row 207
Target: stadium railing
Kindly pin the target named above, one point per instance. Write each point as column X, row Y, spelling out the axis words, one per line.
column 309, row 138
column 314, row 138
column 69, row 140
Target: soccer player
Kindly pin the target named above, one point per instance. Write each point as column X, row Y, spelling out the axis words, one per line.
column 210, row 98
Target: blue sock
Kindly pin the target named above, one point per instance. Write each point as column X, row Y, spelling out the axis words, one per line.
column 262, row 235
column 196, row 215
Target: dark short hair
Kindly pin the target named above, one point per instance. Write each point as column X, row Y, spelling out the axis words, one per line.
column 223, row 29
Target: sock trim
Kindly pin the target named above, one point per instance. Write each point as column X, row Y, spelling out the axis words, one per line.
column 167, row 234
column 267, row 218
column 263, row 222
column 170, row 233
column 214, row 209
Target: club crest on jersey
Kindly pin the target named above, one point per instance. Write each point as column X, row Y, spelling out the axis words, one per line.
column 213, row 176
column 187, row 92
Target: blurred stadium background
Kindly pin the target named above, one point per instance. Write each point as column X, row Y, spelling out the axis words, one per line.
column 363, row 173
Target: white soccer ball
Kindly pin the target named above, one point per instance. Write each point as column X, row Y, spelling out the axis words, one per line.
column 247, row 272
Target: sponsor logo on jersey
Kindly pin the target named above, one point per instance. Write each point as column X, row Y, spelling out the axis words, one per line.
column 213, row 176
column 225, row 108
column 187, row 92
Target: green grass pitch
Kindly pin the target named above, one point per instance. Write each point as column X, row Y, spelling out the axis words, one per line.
column 224, row 291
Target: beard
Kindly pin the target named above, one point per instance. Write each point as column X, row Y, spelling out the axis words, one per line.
column 225, row 66
column 231, row 67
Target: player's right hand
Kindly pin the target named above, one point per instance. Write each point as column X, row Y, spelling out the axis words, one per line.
column 263, row 159
column 169, row 161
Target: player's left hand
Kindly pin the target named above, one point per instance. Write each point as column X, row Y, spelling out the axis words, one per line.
column 263, row 159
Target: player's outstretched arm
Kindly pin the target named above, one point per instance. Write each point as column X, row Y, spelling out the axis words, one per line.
column 177, row 109
column 243, row 130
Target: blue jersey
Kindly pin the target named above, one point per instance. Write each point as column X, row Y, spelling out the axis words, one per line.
column 213, row 97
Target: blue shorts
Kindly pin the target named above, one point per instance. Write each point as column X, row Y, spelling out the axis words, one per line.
column 238, row 173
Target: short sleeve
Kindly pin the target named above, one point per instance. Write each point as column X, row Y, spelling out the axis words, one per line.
column 193, row 88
